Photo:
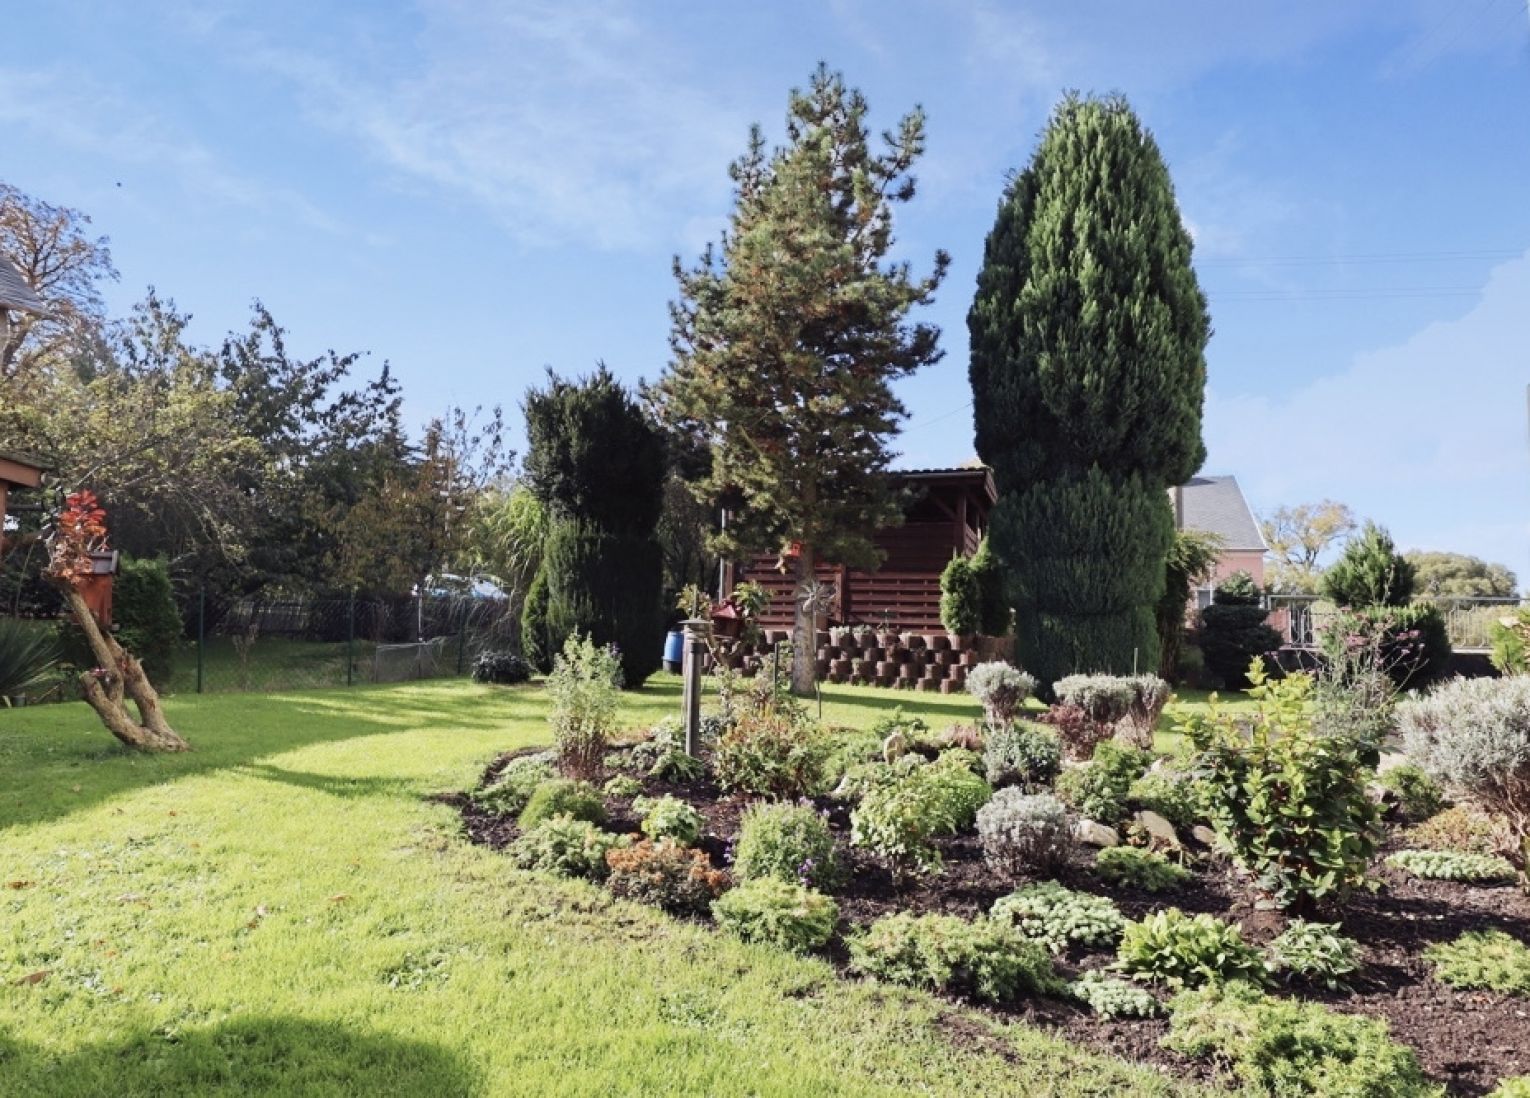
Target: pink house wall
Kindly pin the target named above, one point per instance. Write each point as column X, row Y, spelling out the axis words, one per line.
column 1240, row 560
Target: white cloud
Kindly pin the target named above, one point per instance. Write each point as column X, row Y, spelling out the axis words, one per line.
column 1428, row 437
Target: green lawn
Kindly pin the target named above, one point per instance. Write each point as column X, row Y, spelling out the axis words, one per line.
column 283, row 912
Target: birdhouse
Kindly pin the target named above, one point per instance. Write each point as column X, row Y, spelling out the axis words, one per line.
column 96, row 588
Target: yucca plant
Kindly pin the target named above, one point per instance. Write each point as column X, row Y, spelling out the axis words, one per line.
column 27, row 654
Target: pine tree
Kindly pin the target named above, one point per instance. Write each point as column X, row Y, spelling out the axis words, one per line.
column 1370, row 572
column 1088, row 336
column 787, row 336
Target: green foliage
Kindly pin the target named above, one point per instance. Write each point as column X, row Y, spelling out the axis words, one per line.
column 1370, row 572
column 1103, row 698
column 1490, row 959
column 1173, row 795
column 512, row 788
column 500, row 667
column 771, row 754
column 669, row 817
column 661, row 872
column 903, row 810
column 1059, row 349
column 1453, row 865
column 1459, row 827
column 1192, row 560
column 1182, row 950
column 762, row 333
column 779, row 913
column 1419, row 796
column 1001, row 689
column 1289, row 1049
column 1238, row 589
column 984, row 959
column 606, row 585
column 1024, row 832
column 789, row 842
column 1099, row 788
column 957, row 784
column 28, row 654
column 144, row 616
column 1516, row 1087
column 1460, row 575
column 1023, row 754
column 1412, row 643
column 1290, row 803
column 1511, row 642
column 1112, row 998
column 584, row 686
column 536, row 637
column 1133, row 867
column 1058, row 917
column 994, row 613
column 563, row 844
column 1313, row 953
column 562, row 797
column 960, row 598
column 622, row 786
column 1232, row 634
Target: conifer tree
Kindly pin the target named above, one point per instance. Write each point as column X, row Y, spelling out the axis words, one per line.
column 787, row 335
column 1088, row 336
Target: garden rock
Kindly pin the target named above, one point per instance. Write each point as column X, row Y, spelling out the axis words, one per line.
column 1203, row 835
column 1161, row 830
column 1095, row 834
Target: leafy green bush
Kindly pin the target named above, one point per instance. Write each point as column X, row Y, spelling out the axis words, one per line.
column 1232, row 635
column 1058, row 917
column 622, row 786
column 562, row 797
column 1291, row 804
column 1024, row 832
column 513, row 786
column 958, row 787
column 1023, row 754
column 669, row 817
column 1105, row 698
column 1002, row 690
column 1098, row 789
column 663, row 873
column 1418, row 795
column 1182, row 950
column 1488, row 959
column 1515, row 1087
column 960, row 598
column 1133, row 867
column 145, row 618
column 1112, row 998
column 500, row 668
column 28, row 654
column 1453, row 865
column 771, row 754
column 536, row 636
column 562, row 844
column 787, row 842
column 1370, row 572
column 1313, row 953
column 584, row 685
column 1474, row 735
column 984, row 959
column 1413, row 643
column 1511, row 642
column 905, row 806
column 1460, row 827
column 1290, row 1049
column 778, row 912
column 1170, row 793
column 994, row 612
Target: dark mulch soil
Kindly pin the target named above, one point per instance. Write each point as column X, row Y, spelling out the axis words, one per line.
column 1467, row 1040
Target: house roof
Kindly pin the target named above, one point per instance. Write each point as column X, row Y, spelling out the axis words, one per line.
column 16, row 294
column 977, row 476
column 1216, row 506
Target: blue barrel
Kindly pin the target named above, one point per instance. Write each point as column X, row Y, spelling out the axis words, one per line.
column 674, row 651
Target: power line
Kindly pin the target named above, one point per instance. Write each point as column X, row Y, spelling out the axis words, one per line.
column 937, row 419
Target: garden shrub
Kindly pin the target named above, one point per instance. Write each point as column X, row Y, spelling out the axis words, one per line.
column 1291, row 804
column 1172, row 794
column 1001, row 689
column 500, row 667
column 1285, row 1048
column 1106, row 699
column 984, row 959
column 1419, row 797
column 584, row 686
column 960, row 598
column 903, row 809
column 1413, row 643
column 1370, row 572
column 1098, row 789
column 780, row 913
column 1460, row 827
column 562, row 844
column 1022, row 754
column 1058, row 917
column 669, row 817
column 1077, row 731
column 562, row 797
column 661, row 872
column 1182, row 950
column 1233, row 632
column 789, row 842
column 622, row 786
column 994, row 613
column 1488, row 959
column 1024, row 832
column 958, row 786
column 771, row 754
column 1453, row 865
column 513, row 786
column 1313, row 953
column 1474, row 735
column 1517, row 1086
column 1133, row 867
column 663, row 755
column 1149, row 696
column 536, row 639
column 1510, row 637
column 1110, row 997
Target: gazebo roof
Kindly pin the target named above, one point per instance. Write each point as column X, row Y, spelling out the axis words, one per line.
column 16, row 294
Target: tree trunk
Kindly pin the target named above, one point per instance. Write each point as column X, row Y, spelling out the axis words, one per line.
column 804, row 626
column 119, row 674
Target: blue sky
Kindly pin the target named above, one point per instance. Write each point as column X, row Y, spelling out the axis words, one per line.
column 477, row 190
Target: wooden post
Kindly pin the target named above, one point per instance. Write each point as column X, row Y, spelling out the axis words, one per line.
column 696, row 632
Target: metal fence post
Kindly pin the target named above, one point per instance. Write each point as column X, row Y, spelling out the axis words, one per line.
column 201, row 634
column 350, row 638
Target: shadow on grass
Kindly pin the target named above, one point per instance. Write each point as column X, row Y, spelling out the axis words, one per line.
column 250, row 1056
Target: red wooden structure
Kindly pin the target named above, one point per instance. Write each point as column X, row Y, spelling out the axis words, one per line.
column 947, row 514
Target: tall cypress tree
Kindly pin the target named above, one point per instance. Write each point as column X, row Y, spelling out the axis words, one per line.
column 597, row 463
column 786, row 339
column 1088, row 371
